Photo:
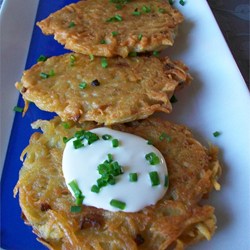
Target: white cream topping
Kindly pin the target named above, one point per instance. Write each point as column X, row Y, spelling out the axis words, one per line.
column 81, row 165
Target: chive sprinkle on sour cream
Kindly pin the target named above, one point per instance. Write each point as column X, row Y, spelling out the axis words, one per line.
column 127, row 175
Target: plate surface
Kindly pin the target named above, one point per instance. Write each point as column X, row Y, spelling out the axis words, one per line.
column 217, row 100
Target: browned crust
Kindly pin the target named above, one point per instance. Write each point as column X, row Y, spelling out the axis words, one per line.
column 175, row 221
column 130, row 88
column 157, row 27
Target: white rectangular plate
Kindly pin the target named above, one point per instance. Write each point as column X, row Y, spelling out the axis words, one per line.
column 217, row 100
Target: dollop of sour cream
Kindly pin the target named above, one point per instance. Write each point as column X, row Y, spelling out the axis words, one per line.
column 81, row 165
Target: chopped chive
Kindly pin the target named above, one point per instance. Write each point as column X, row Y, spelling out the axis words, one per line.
column 82, row 85
column 77, row 192
column 104, row 62
column 154, row 177
column 115, row 143
column 118, row 204
column 44, row 75
column 65, row 139
column 132, row 54
column 110, row 157
column 173, row 99
column 72, row 60
column 161, row 10
column 149, row 142
column 71, row 25
column 65, row 125
column 156, row 53
column 106, row 137
column 114, row 33
column 133, row 177
column 182, row 2
column 152, row 158
column 116, row 18
column 91, row 137
column 42, row 58
column 166, row 181
column 78, row 143
column 51, row 72
column 91, row 57
column 95, row 189
column 75, row 209
column 164, row 136
column 136, row 13
column 95, row 83
column 139, row 37
column 146, row 9
column 18, row 109
column 216, row 133
column 103, row 41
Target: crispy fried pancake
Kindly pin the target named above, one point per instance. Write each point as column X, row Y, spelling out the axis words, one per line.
column 80, row 89
column 175, row 221
column 99, row 28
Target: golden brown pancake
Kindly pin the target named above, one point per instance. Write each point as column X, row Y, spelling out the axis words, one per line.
column 177, row 220
column 112, row 90
column 109, row 28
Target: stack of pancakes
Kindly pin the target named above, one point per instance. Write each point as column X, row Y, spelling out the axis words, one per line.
column 114, row 78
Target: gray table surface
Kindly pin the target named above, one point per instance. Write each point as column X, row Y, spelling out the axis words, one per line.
column 233, row 17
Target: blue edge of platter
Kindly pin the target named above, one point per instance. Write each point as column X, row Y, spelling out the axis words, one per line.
column 15, row 235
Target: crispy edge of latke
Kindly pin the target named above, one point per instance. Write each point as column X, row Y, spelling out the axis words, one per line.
column 177, row 76
column 195, row 232
column 132, row 43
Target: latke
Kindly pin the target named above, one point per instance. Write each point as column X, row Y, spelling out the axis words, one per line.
column 112, row 90
column 177, row 220
column 99, row 28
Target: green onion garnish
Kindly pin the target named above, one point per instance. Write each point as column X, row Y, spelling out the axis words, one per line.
column 139, row 37
column 216, row 133
column 75, row 209
column 116, row 18
column 136, row 13
column 154, row 177
column 132, row 54
column 44, row 75
column 149, row 142
column 106, row 137
column 133, row 177
column 91, row 137
column 91, row 57
column 65, row 125
column 42, row 58
column 114, row 33
column 104, row 62
column 166, row 182
column 82, row 85
column 118, row 204
column 182, row 2
column 65, row 139
column 110, row 157
column 115, row 143
column 95, row 189
column 152, row 158
column 18, row 109
column 164, row 136
column 77, row 192
column 51, row 72
column 146, row 9
column 71, row 25
column 72, row 60
column 156, row 53
column 78, row 143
